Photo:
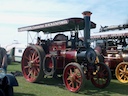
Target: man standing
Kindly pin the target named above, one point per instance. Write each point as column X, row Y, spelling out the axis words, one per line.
column 3, row 59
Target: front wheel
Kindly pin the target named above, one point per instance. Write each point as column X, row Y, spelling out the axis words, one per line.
column 2, row 92
column 8, row 90
column 102, row 76
column 121, row 72
column 73, row 77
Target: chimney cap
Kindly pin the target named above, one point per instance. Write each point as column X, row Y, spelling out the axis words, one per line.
column 86, row 13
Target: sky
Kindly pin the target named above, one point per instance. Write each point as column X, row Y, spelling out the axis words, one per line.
column 19, row 13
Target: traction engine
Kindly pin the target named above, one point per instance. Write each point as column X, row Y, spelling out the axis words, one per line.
column 72, row 58
column 113, row 45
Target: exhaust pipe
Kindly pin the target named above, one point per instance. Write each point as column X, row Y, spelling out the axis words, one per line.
column 87, row 26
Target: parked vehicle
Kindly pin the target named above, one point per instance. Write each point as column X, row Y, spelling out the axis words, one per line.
column 7, row 82
column 72, row 57
column 15, row 52
column 114, row 48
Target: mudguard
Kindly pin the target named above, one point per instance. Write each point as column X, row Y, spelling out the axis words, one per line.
column 11, row 80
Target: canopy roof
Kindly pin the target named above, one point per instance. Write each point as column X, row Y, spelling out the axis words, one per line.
column 110, row 34
column 57, row 26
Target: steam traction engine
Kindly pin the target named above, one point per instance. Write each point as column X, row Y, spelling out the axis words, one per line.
column 72, row 58
column 113, row 45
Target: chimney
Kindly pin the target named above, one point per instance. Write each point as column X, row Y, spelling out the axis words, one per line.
column 87, row 26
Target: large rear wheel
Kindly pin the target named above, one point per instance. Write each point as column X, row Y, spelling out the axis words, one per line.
column 32, row 60
column 73, row 77
column 121, row 72
column 102, row 76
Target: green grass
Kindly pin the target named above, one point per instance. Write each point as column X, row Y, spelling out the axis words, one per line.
column 53, row 87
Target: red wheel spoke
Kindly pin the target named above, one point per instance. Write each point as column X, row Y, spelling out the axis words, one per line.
column 36, row 65
column 38, row 70
column 105, row 74
column 26, row 67
column 26, row 58
column 30, row 58
column 103, row 71
column 79, row 82
column 70, row 83
column 69, row 78
column 33, row 55
column 35, row 71
column 34, row 74
column 78, row 76
column 73, row 85
column 29, row 74
column 36, row 58
column 70, row 71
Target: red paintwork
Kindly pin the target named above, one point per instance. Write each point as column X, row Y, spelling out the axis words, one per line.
column 71, row 55
column 57, row 45
column 112, row 62
column 63, row 56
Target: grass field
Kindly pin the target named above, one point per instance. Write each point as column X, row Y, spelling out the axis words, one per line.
column 53, row 87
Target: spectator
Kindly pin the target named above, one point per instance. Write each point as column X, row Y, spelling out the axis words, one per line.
column 38, row 41
column 3, row 59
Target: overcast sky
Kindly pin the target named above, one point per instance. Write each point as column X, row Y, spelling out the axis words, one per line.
column 20, row 13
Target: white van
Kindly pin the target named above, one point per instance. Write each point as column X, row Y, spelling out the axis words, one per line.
column 15, row 51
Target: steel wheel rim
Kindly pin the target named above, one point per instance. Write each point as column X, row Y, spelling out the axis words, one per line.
column 122, row 72
column 72, row 78
column 48, row 66
column 101, row 77
column 31, row 64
